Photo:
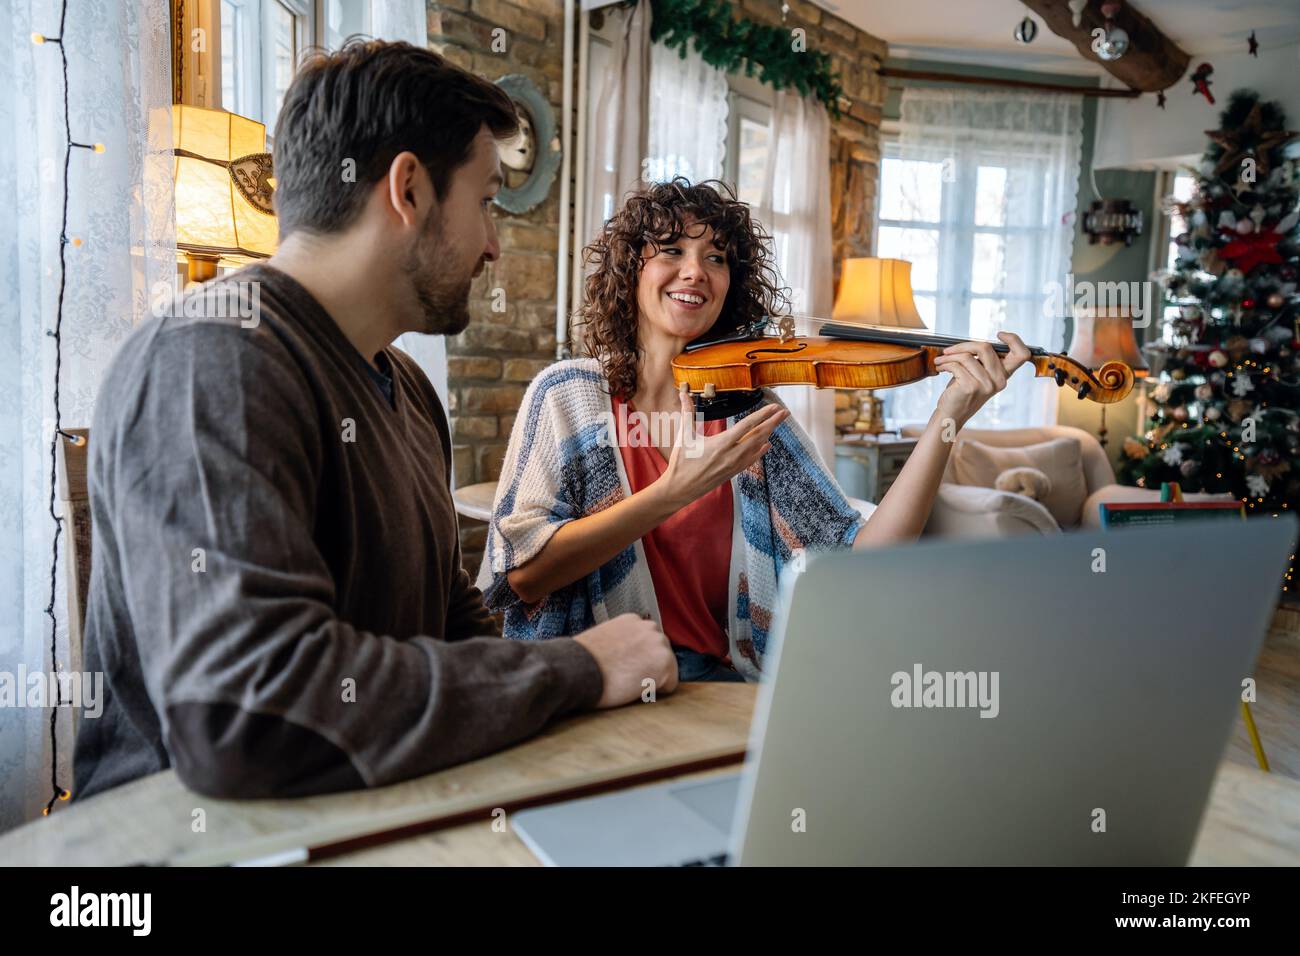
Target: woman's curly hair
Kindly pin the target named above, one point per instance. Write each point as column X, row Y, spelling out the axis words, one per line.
column 656, row 216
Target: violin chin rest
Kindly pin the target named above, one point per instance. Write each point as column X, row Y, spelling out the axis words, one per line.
column 727, row 404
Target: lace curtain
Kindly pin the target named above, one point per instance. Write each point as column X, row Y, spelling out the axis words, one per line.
column 1000, row 192
column 687, row 127
column 119, row 82
column 797, row 212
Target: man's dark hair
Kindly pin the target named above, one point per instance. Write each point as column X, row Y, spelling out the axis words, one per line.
column 367, row 102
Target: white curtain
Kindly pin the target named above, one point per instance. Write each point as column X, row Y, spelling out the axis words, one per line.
column 797, row 212
column 400, row 20
column 1009, row 177
column 616, row 142
column 120, row 206
column 687, row 128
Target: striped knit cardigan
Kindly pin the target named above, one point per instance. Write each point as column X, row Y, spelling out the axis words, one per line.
column 561, row 464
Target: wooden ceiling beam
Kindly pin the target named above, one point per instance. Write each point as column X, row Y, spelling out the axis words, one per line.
column 1153, row 61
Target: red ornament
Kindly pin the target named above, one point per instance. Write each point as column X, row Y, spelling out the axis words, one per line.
column 1201, row 81
column 1255, row 248
column 1248, row 303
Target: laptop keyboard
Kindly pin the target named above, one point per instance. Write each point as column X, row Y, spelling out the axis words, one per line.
column 722, row 859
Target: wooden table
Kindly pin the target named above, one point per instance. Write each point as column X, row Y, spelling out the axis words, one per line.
column 1253, row 818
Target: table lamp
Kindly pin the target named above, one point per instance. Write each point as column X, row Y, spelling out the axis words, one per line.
column 1102, row 336
column 223, row 189
column 875, row 292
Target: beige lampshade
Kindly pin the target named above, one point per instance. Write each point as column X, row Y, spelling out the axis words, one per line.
column 876, row 292
column 1105, row 336
column 223, row 185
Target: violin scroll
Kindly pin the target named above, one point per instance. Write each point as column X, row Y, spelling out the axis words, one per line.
column 1109, row 384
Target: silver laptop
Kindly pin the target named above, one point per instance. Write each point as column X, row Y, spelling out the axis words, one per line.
column 1055, row 700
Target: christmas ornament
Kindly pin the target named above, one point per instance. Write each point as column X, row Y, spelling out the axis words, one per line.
column 1275, row 300
column 1076, row 11
column 1201, row 81
column 1247, row 252
column 1113, row 43
column 1189, row 468
column 1236, row 346
column 1161, row 392
column 1241, row 385
column 1250, row 139
column 1134, row 449
column 1212, row 414
column 1259, row 346
column 1178, row 374
column 1180, row 413
column 1257, row 485
column 1026, row 30
column 1204, row 392
column 1218, row 359
column 1172, row 455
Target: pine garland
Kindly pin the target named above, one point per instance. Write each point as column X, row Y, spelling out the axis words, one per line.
column 770, row 52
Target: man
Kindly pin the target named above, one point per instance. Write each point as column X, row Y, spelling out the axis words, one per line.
column 277, row 598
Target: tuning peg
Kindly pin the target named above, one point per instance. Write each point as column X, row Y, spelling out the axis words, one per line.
column 1084, row 389
column 1060, row 376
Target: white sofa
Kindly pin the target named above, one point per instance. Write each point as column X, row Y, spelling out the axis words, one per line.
column 973, row 511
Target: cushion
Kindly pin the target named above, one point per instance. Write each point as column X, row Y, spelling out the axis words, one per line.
column 965, row 511
column 1029, row 482
column 1061, row 460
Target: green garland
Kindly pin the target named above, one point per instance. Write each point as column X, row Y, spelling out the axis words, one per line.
column 729, row 44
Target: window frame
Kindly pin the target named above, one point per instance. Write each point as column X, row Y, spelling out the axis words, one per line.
column 1161, row 246
column 202, row 78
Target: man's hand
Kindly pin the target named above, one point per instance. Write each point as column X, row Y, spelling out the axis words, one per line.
column 628, row 649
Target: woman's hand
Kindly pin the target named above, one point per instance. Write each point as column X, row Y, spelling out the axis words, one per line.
column 699, row 463
column 978, row 373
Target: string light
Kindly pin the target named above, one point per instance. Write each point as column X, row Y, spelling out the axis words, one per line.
column 39, row 39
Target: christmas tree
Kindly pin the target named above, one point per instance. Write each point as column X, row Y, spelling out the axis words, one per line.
column 1226, row 384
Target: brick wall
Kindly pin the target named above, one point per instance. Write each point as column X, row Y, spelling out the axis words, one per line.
column 491, row 363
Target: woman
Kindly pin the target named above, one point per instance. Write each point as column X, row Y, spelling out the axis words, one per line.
column 690, row 524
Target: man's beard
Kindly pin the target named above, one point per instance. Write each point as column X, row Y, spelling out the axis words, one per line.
column 443, row 298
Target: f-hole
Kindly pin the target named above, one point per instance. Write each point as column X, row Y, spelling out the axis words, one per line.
column 798, row 348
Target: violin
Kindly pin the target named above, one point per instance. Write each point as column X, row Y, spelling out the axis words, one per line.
column 725, row 374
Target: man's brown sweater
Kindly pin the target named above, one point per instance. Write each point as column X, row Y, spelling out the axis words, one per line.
column 277, row 599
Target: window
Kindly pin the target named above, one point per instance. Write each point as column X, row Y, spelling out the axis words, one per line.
column 260, row 44
column 747, row 147
column 980, row 218
column 953, row 213
column 1178, row 186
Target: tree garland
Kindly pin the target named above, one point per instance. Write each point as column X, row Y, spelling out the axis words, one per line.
column 728, row 44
